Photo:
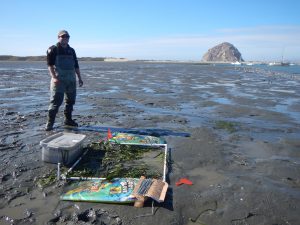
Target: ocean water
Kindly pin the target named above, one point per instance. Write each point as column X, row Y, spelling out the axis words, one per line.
column 41, row 66
column 293, row 69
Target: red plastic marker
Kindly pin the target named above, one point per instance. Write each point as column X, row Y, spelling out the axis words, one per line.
column 184, row 181
column 109, row 135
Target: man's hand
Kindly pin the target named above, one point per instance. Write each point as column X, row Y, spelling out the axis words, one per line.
column 80, row 83
column 55, row 80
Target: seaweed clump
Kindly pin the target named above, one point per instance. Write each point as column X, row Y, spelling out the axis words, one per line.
column 226, row 125
column 121, row 161
column 108, row 160
column 47, row 179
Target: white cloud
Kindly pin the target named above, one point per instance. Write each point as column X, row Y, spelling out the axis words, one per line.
column 255, row 43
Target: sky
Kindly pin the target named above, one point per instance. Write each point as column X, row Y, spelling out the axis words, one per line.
column 262, row 30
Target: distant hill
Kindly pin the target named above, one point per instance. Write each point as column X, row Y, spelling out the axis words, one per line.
column 22, row 58
column 224, row 52
column 91, row 58
column 42, row 58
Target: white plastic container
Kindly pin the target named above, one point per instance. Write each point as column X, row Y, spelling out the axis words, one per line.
column 62, row 148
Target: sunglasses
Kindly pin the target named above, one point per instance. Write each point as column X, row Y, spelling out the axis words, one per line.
column 64, row 36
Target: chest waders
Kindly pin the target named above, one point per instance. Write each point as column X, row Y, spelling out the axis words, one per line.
column 65, row 89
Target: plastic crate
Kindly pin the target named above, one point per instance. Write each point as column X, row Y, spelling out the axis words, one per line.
column 62, row 148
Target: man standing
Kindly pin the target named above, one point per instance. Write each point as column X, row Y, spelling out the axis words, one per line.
column 62, row 65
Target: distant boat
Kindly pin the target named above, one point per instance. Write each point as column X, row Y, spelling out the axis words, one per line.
column 284, row 64
column 236, row 63
column 274, row 64
column 279, row 64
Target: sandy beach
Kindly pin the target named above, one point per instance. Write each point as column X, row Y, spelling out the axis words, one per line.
column 232, row 130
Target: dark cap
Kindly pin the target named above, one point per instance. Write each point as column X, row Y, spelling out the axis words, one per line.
column 63, row 32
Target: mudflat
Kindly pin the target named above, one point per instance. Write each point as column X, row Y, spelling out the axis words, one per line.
column 232, row 130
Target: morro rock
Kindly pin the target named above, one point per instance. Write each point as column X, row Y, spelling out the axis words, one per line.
column 224, row 52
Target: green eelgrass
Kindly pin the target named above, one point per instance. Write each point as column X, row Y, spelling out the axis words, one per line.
column 47, row 179
column 226, row 125
column 113, row 161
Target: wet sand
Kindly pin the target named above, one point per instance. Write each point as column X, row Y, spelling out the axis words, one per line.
column 233, row 131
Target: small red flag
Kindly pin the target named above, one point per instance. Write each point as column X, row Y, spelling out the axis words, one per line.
column 109, row 135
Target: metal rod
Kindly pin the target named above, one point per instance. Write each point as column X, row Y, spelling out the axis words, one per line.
column 85, row 178
column 64, row 176
column 58, row 172
column 165, row 162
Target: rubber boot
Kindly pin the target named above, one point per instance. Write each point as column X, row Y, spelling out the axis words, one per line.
column 50, row 122
column 68, row 120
